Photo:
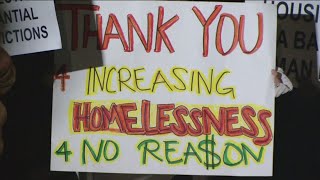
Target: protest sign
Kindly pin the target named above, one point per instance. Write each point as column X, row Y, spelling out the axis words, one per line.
column 28, row 26
column 184, row 88
column 298, row 36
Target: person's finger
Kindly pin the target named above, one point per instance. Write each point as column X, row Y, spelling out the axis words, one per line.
column 7, row 72
column 279, row 75
column 5, row 60
column 274, row 72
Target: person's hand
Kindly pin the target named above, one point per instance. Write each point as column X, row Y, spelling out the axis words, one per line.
column 5, row 60
column 276, row 77
column 7, row 72
column 7, row 78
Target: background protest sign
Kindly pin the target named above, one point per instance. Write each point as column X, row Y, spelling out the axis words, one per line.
column 297, row 41
column 185, row 88
column 28, row 26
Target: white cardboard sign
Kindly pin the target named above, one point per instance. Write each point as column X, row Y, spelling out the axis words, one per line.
column 184, row 88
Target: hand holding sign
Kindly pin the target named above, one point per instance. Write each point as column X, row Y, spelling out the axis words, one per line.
column 7, row 79
column 276, row 77
column 25, row 27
